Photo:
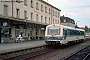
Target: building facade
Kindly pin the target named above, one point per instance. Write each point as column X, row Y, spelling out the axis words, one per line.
column 26, row 17
column 67, row 21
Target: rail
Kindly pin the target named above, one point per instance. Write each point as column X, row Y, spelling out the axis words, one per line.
column 82, row 54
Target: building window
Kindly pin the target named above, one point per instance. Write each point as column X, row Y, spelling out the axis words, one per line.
column 53, row 21
column 31, row 16
column 18, row 1
column 16, row 31
column 49, row 20
column 45, row 9
column 58, row 22
column 25, row 14
column 70, row 21
column 37, row 6
column 5, row 9
column 24, row 32
column 45, row 19
column 42, row 8
column 25, row 2
column 17, row 13
column 49, row 11
column 64, row 20
column 31, row 3
column 41, row 18
column 36, row 17
column 53, row 12
column 58, row 15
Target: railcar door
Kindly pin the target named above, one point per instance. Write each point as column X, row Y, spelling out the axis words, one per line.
column 5, row 34
column 64, row 33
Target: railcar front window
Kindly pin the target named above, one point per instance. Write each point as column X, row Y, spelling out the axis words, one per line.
column 54, row 31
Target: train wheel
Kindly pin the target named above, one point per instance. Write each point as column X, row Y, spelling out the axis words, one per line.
column 82, row 40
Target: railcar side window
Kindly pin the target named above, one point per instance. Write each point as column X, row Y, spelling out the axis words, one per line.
column 71, row 32
column 68, row 32
column 81, row 33
column 74, row 32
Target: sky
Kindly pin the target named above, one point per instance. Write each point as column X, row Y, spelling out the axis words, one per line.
column 79, row 10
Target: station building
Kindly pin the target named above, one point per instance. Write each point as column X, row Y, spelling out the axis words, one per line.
column 67, row 21
column 26, row 17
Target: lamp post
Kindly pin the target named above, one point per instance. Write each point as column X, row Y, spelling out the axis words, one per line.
column 76, row 24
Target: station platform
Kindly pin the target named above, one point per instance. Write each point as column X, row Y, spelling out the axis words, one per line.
column 8, row 47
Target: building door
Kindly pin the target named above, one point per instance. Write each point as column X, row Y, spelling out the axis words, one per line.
column 5, row 34
column 36, row 33
column 0, row 35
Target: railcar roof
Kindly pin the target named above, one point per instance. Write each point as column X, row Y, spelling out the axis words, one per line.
column 80, row 29
column 67, row 27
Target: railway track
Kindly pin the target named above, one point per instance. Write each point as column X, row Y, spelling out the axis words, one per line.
column 23, row 57
column 14, row 54
column 83, row 54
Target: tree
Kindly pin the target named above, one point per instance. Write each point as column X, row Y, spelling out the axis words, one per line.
column 89, row 29
column 86, row 29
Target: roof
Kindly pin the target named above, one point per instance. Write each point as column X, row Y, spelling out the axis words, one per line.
column 82, row 28
column 49, row 4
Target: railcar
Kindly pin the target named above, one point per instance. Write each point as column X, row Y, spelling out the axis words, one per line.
column 59, row 34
